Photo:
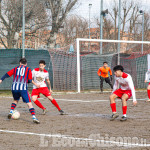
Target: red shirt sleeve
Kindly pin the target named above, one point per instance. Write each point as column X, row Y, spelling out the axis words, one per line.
column 11, row 72
column 30, row 75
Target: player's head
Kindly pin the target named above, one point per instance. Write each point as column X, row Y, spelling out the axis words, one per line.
column 105, row 64
column 42, row 65
column 23, row 61
column 118, row 70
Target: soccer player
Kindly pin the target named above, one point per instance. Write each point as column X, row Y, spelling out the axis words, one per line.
column 39, row 86
column 103, row 74
column 148, row 87
column 124, row 92
column 21, row 76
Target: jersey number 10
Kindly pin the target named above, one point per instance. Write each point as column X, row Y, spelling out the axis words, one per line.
column 21, row 71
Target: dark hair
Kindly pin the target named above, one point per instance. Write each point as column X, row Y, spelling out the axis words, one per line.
column 23, row 61
column 118, row 67
column 105, row 62
column 42, row 62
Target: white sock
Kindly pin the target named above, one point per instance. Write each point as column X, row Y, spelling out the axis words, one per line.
column 33, row 116
column 11, row 111
column 125, row 115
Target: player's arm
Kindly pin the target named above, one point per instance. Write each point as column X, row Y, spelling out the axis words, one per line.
column 49, row 85
column 30, row 76
column 99, row 72
column 7, row 75
column 116, row 85
column 146, row 76
column 37, row 85
column 110, row 74
column 33, row 76
column 131, row 86
column 48, row 82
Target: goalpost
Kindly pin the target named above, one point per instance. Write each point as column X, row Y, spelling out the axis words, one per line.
column 78, row 40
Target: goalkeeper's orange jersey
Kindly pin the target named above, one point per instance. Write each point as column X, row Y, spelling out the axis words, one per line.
column 104, row 72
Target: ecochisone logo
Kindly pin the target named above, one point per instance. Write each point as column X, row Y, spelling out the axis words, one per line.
column 94, row 140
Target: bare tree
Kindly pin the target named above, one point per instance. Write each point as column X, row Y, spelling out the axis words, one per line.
column 11, row 19
column 130, row 22
column 74, row 27
column 59, row 10
column 138, row 27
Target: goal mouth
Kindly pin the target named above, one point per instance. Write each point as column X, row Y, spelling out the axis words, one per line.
column 130, row 54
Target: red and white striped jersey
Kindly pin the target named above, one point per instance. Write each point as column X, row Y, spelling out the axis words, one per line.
column 126, row 83
column 39, row 77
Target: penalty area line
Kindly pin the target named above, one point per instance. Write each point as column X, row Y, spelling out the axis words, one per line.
column 82, row 139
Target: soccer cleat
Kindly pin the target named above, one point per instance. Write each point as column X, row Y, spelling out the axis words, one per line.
column 62, row 112
column 114, row 116
column 123, row 118
column 35, row 120
column 44, row 111
column 10, row 115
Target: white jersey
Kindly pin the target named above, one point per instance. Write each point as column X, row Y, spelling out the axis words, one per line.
column 39, row 77
column 126, row 83
column 147, row 76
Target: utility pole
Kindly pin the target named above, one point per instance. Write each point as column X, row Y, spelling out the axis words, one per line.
column 90, row 5
column 119, row 16
column 101, row 28
column 142, row 12
column 23, row 30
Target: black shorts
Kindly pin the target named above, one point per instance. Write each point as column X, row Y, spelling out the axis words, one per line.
column 107, row 80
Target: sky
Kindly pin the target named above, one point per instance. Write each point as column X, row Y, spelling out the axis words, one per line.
column 82, row 8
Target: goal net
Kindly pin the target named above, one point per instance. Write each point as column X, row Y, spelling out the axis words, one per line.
column 76, row 69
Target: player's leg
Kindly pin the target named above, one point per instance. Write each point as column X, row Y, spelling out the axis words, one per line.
column 101, row 83
column 35, row 95
column 53, row 101
column 16, row 96
column 124, row 98
column 32, row 111
column 13, row 106
column 113, row 106
column 107, row 80
column 38, row 103
column 26, row 98
column 148, row 92
column 47, row 94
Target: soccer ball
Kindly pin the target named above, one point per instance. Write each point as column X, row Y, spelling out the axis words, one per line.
column 16, row 115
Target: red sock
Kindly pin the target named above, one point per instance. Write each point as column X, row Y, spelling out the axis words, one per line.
column 124, row 110
column 32, row 111
column 13, row 106
column 148, row 92
column 55, row 104
column 39, row 104
column 113, row 107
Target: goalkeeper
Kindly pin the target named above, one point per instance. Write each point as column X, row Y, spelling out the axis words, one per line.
column 103, row 74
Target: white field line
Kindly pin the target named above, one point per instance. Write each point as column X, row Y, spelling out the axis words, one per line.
column 74, row 138
column 84, row 101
